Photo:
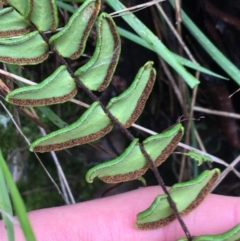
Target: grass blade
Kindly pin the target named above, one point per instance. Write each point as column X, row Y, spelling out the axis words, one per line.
column 156, row 44
column 17, row 201
column 180, row 59
column 6, row 207
column 210, row 48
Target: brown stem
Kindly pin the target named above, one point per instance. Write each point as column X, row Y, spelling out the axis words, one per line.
column 128, row 135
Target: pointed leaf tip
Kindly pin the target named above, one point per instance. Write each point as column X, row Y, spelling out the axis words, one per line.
column 97, row 73
column 71, row 40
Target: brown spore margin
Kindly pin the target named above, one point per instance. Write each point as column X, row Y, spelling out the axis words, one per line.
column 114, row 60
column 142, row 100
column 163, row 222
column 74, row 142
column 138, row 173
column 169, row 149
column 126, row 176
column 22, row 61
column 86, row 31
column 45, row 101
column 54, row 24
column 15, row 32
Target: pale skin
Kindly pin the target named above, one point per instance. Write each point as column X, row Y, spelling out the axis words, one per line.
column 112, row 219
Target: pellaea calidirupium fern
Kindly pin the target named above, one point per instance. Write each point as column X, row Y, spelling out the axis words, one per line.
column 23, row 41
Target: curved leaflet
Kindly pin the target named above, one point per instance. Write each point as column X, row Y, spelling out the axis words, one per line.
column 57, row 88
column 200, row 158
column 186, row 195
column 91, row 126
column 23, row 6
column 123, row 107
column 71, row 40
column 97, row 73
column 128, row 166
column 26, row 49
column 132, row 164
column 12, row 23
column 44, row 14
column 128, row 106
column 232, row 234
column 60, row 87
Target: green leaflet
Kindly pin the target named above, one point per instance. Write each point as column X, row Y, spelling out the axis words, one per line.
column 44, row 14
column 57, row 88
column 26, row 49
column 200, row 158
column 129, row 105
column 12, row 23
column 132, row 164
column 119, row 169
column 232, row 234
column 23, row 6
column 91, row 126
column 98, row 72
column 60, row 87
column 71, row 40
column 186, row 195
column 94, row 123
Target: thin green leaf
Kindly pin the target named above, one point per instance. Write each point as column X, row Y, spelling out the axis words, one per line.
column 6, row 207
column 66, row 6
column 52, row 116
column 179, row 58
column 197, row 67
column 145, row 44
column 18, row 204
column 156, row 44
column 213, row 52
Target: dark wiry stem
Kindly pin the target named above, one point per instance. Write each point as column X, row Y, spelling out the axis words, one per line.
column 128, row 135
